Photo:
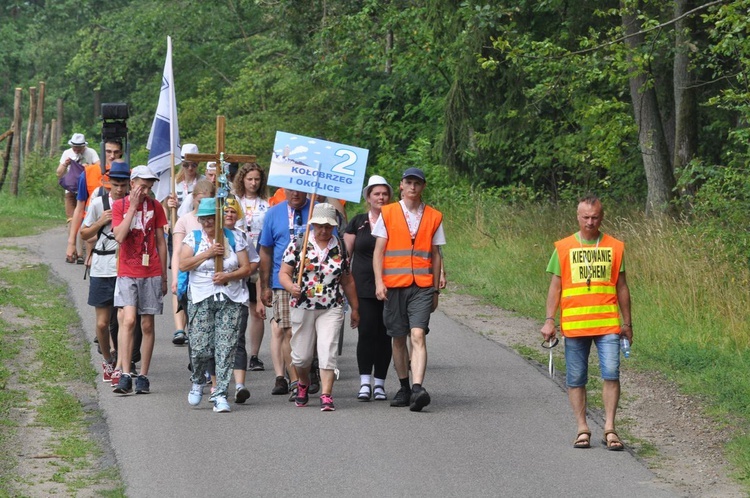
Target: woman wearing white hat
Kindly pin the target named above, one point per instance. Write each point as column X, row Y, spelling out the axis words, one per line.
column 374, row 344
column 316, row 306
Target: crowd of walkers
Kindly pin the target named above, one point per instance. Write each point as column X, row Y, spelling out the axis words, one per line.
column 289, row 256
column 235, row 253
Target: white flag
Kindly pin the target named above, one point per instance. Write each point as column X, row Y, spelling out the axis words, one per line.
column 164, row 140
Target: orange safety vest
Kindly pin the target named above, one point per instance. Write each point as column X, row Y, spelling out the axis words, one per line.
column 408, row 260
column 589, row 286
column 94, row 180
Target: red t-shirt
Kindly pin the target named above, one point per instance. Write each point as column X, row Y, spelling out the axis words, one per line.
column 141, row 239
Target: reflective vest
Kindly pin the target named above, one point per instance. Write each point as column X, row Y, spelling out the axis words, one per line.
column 589, row 286
column 409, row 260
column 94, row 180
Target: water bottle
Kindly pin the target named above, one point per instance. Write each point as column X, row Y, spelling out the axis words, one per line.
column 625, row 347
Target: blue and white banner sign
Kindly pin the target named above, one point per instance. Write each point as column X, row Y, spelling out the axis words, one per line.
column 313, row 165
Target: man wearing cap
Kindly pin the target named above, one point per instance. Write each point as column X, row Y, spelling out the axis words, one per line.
column 282, row 224
column 92, row 182
column 80, row 153
column 97, row 226
column 407, row 263
column 138, row 223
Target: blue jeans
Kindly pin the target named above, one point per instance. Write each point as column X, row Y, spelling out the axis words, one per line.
column 577, row 351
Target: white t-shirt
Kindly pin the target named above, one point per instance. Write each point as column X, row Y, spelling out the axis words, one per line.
column 104, row 265
column 379, row 230
column 255, row 212
column 88, row 156
column 201, row 279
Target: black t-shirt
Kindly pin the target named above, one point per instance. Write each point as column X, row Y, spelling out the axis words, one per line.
column 364, row 245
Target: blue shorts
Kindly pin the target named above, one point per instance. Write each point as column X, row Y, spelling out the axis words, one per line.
column 577, row 351
column 102, row 291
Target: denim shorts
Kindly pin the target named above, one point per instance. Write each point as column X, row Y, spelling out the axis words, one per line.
column 577, row 351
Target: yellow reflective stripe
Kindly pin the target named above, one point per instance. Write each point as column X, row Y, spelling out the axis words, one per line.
column 591, row 324
column 590, row 310
column 595, row 289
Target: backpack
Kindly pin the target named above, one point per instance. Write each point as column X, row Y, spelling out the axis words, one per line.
column 110, row 235
column 183, row 277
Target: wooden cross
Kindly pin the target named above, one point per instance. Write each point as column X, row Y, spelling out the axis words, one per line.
column 220, row 156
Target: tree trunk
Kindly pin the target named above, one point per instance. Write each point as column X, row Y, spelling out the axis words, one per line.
column 59, row 122
column 54, row 138
column 653, row 145
column 30, row 126
column 388, row 52
column 16, row 168
column 685, row 98
column 45, row 140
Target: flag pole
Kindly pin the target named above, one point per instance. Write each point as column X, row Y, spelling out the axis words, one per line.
column 172, row 116
column 303, row 254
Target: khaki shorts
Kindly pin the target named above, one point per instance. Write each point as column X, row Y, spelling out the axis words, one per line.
column 316, row 330
column 281, row 308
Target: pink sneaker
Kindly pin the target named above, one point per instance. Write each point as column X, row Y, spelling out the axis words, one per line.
column 326, row 403
column 301, row 396
column 107, row 371
column 115, row 377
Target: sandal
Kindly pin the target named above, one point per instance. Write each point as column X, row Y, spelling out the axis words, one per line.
column 379, row 393
column 79, row 260
column 365, row 392
column 614, row 444
column 581, row 443
column 71, row 259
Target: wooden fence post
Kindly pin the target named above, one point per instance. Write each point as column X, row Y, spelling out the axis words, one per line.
column 16, row 169
column 39, row 143
column 30, row 127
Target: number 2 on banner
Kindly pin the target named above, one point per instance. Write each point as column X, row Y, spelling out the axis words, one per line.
column 351, row 158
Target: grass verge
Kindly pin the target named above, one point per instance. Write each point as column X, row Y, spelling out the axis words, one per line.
column 41, row 354
column 29, row 215
column 690, row 314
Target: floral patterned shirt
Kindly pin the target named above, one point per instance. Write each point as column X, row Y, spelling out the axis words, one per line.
column 321, row 275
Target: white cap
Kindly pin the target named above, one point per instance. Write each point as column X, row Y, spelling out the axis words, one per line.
column 188, row 149
column 143, row 172
column 211, row 166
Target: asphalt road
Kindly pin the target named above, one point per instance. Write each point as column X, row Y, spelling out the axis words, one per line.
column 496, row 427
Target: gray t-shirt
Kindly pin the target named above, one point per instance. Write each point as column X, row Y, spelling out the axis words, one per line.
column 101, row 265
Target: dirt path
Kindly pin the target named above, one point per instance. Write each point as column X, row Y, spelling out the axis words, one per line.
column 688, row 443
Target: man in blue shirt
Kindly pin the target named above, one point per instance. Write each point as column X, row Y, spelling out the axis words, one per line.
column 282, row 224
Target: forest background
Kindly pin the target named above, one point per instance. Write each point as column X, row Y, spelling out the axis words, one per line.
column 513, row 108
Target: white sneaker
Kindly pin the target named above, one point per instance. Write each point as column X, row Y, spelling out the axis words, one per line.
column 196, row 394
column 221, row 405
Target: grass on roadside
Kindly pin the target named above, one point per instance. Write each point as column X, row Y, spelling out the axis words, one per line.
column 690, row 314
column 59, row 359
column 29, row 215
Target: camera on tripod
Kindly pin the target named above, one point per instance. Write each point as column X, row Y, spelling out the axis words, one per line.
column 115, row 128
